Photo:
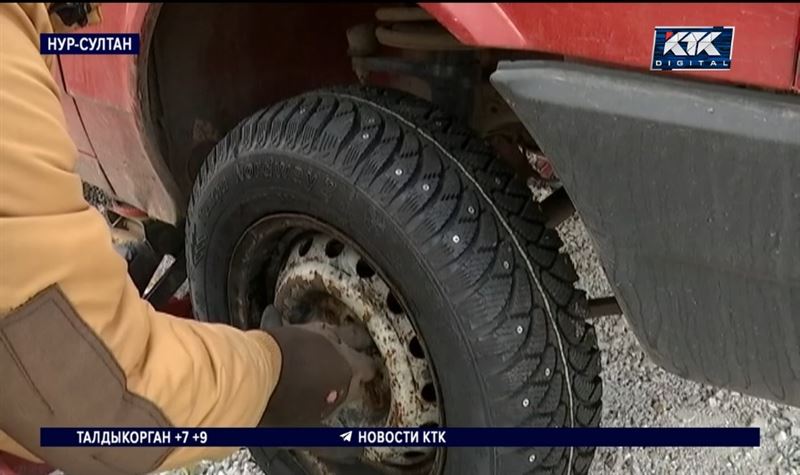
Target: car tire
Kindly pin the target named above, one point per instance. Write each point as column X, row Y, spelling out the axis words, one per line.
column 449, row 225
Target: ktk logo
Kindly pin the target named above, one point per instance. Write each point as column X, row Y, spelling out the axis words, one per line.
column 703, row 48
column 696, row 42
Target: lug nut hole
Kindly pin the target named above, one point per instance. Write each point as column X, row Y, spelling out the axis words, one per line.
column 333, row 248
column 429, row 393
column 364, row 270
column 416, row 348
column 304, row 247
column 393, row 304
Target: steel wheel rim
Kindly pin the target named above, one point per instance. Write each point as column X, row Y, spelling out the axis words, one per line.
column 285, row 236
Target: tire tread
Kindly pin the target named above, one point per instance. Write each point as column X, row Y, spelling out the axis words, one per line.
column 477, row 269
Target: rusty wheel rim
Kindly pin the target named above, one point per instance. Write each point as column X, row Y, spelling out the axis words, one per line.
column 314, row 272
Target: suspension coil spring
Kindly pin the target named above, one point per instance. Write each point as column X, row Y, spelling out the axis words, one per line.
column 415, row 29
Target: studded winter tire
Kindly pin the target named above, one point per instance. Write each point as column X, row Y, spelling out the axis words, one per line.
column 449, row 229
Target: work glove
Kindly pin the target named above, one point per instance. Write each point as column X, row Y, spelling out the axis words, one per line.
column 321, row 370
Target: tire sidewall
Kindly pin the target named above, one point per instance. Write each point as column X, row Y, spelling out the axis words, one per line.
column 251, row 186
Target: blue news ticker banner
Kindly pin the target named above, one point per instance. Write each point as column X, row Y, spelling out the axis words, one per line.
column 413, row 437
column 89, row 43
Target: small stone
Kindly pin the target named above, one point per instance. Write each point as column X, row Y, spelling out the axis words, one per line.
column 758, row 421
column 694, row 399
column 795, row 431
column 777, row 459
column 783, row 423
column 712, row 402
column 792, row 415
column 685, row 415
column 780, row 437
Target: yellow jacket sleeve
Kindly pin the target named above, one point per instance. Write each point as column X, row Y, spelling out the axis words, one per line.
column 67, row 305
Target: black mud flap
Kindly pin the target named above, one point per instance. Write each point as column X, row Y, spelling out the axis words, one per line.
column 691, row 193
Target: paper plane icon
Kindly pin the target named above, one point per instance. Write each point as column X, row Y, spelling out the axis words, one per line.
column 347, row 436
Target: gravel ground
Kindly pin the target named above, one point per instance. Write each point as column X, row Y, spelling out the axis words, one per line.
column 637, row 393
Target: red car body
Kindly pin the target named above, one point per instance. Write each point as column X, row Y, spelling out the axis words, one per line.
column 103, row 98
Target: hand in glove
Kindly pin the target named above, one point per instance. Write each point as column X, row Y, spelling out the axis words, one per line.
column 320, row 371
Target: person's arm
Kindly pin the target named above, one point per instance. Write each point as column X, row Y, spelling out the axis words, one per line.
column 78, row 346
